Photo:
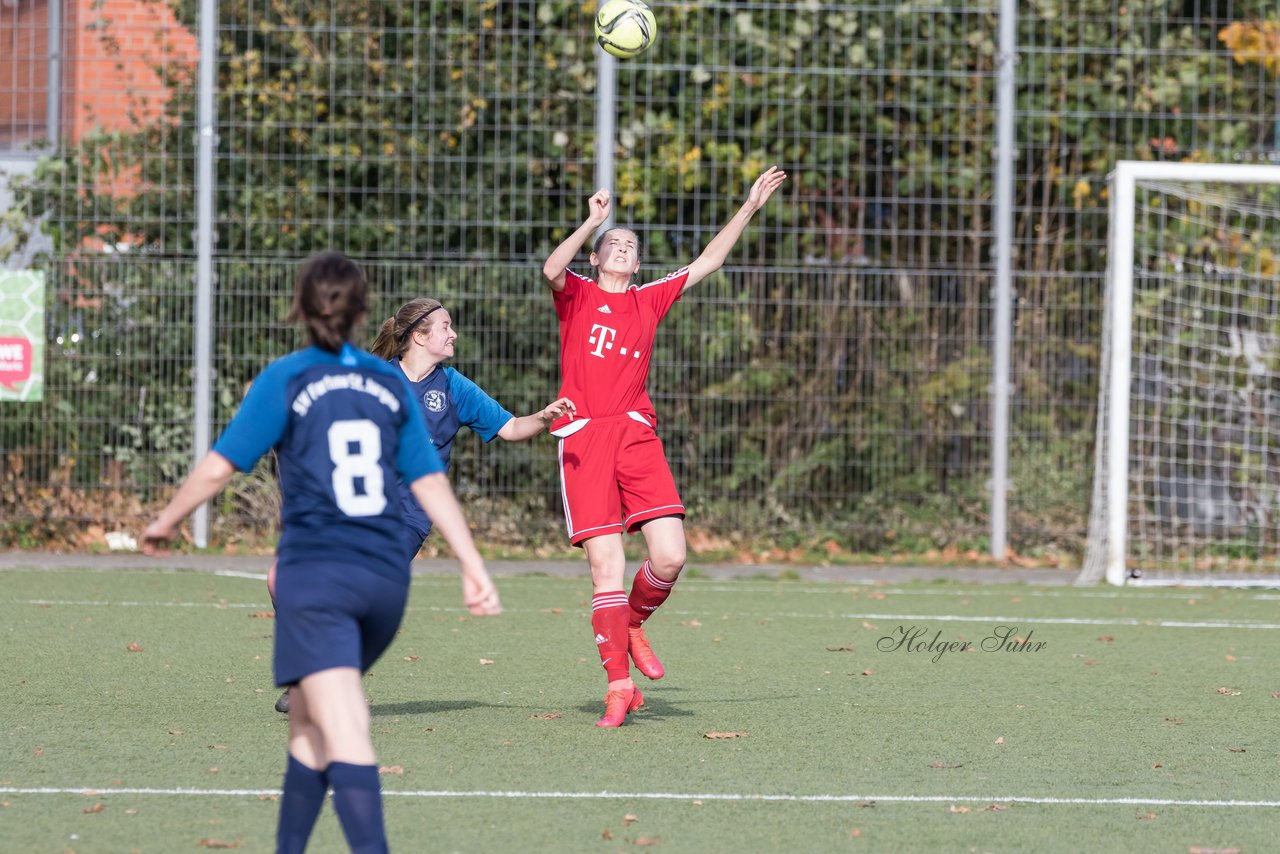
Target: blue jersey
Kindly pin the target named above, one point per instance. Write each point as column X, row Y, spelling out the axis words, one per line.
column 347, row 436
column 449, row 401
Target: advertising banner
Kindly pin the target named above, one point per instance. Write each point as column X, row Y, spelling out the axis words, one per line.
column 22, row 336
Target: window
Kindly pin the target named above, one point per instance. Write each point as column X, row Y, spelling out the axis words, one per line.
column 24, row 73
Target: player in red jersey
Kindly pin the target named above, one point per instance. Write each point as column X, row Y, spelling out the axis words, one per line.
column 614, row 475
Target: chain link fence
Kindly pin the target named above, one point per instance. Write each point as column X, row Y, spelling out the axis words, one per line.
column 829, row 389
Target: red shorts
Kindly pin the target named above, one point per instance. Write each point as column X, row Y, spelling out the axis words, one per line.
column 614, row 477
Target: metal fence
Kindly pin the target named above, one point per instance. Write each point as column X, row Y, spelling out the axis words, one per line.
column 830, row 388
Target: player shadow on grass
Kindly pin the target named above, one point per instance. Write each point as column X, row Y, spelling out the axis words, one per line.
column 427, row 707
column 655, row 707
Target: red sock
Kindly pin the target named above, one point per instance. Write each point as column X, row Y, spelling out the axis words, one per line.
column 648, row 591
column 609, row 613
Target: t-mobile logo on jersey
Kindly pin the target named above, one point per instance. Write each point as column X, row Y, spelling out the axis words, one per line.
column 602, row 339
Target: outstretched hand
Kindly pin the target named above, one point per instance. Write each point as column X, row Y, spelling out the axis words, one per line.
column 770, row 180
column 599, row 205
column 558, row 408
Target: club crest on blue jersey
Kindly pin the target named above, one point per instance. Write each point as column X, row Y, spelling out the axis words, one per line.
column 435, row 401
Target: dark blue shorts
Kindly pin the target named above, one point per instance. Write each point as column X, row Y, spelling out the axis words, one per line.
column 333, row 615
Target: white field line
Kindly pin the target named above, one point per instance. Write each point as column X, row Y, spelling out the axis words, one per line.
column 822, row 588
column 924, row 618
column 668, row 796
column 1173, row 593
column 107, row 603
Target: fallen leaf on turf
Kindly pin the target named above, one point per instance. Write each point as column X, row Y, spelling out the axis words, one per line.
column 608, row 834
column 693, row 624
column 268, row 797
column 549, row 716
column 855, row 833
column 391, row 769
column 217, row 747
column 262, row 615
column 630, row 819
column 177, row 732
column 1106, row 638
column 556, row 611
column 411, row 658
column 1175, row 721
column 486, row 661
column 92, row 809
column 723, row 734
column 1158, row 765
column 1236, row 749
column 39, row 751
column 131, row 811
column 867, row 804
column 1000, row 739
column 645, row 840
column 995, row 807
column 840, row 649
column 1196, row 849
column 1231, row 658
column 866, row 672
column 1145, row 816
column 1229, row 692
column 940, row 765
column 868, row 626
column 955, row 808
column 217, row 843
column 134, row 647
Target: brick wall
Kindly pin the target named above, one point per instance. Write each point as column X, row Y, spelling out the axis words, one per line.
column 123, row 51
column 115, row 59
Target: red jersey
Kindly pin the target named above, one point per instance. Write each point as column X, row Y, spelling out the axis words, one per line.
column 606, row 342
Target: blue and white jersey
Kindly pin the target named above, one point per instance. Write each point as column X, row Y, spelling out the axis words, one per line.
column 348, row 435
column 449, row 401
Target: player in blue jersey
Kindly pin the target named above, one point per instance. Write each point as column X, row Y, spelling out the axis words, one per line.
column 419, row 338
column 346, row 432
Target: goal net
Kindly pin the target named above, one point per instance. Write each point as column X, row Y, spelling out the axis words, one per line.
column 1187, row 469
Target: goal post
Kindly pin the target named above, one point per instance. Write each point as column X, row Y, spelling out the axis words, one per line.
column 1186, row 485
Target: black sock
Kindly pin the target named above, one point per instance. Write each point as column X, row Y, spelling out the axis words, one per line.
column 357, row 797
column 304, row 791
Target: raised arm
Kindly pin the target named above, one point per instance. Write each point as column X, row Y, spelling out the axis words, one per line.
column 436, row 497
column 718, row 249
column 206, row 480
column 526, row 426
column 560, row 259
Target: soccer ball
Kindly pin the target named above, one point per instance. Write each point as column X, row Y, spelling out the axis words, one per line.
column 625, row 28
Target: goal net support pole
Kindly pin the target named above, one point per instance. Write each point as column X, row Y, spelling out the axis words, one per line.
column 1110, row 558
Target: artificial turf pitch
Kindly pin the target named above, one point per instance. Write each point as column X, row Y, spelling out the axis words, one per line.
column 799, row 716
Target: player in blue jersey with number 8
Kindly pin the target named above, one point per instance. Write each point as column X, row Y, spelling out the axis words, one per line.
column 346, row 433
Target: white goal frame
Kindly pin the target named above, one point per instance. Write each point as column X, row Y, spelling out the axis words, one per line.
column 1118, row 327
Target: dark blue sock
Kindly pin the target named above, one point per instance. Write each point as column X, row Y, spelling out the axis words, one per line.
column 304, row 791
column 357, row 797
